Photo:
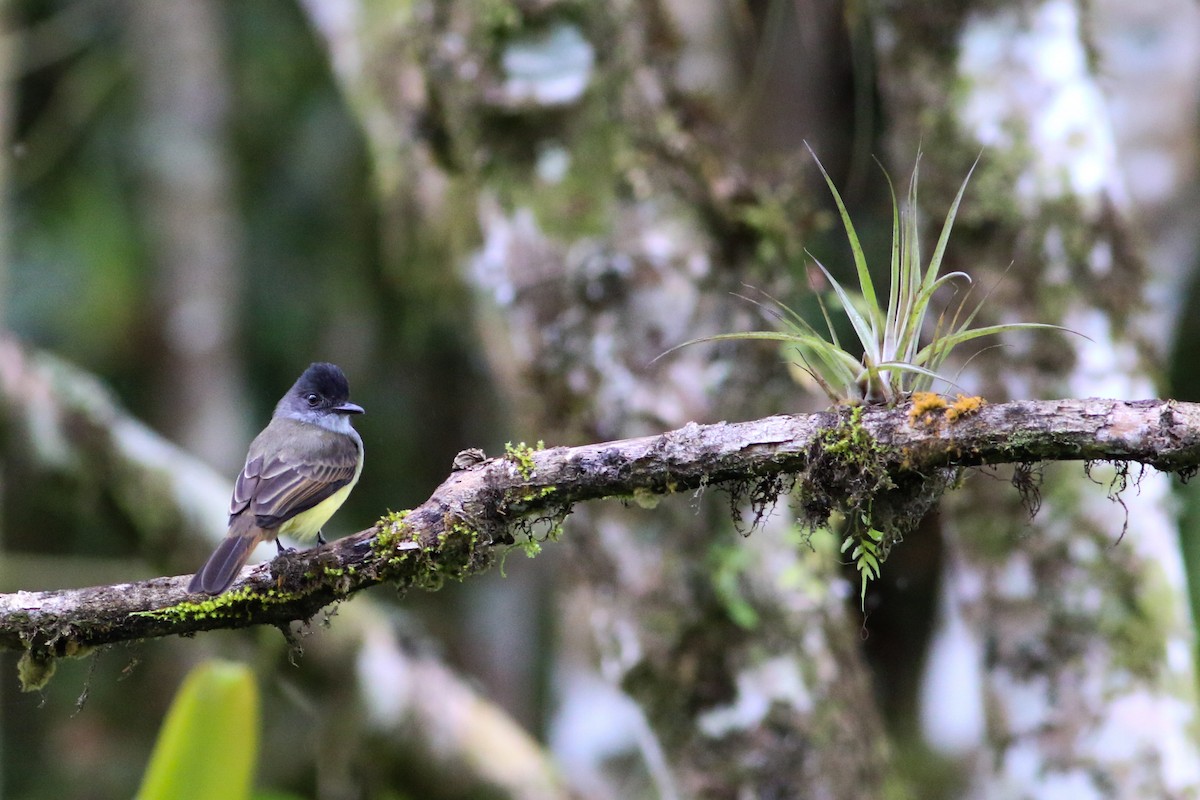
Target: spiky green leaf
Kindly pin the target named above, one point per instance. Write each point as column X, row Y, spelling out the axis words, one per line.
column 865, row 283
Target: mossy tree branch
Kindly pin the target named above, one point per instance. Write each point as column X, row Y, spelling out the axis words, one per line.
column 492, row 503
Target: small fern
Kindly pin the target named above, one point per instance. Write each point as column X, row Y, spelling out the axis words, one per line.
column 866, row 554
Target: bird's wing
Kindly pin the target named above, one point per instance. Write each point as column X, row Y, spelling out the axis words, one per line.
column 279, row 486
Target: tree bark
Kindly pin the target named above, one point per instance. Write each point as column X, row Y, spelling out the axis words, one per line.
column 1082, row 689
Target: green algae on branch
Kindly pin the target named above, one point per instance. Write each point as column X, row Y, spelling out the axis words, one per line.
column 391, row 544
column 229, row 605
column 852, row 444
column 394, row 538
column 520, row 498
column 522, row 455
column 458, row 551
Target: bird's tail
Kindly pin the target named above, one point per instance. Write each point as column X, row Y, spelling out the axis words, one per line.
column 227, row 560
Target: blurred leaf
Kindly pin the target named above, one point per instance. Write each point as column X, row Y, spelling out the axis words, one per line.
column 208, row 744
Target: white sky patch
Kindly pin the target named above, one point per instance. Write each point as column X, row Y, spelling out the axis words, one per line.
column 1101, row 258
column 1074, row 784
column 1137, row 721
column 553, row 162
column 777, row 679
column 1152, row 530
column 594, row 721
column 1023, row 764
column 1028, row 83
column 549, row 68
column 952, row 712
column 1105, row 367
column 1022, row 702
column 1015, row 580
column 1055, row 253
column 1179, row 657
column 502, row 234
column 337, row 20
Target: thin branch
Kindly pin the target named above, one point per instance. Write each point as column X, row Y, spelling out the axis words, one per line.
column 485, row 507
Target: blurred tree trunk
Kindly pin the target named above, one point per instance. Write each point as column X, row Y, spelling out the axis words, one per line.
column 618, row 207
column 191, row 225
column 1078, row 616
column 561, row 136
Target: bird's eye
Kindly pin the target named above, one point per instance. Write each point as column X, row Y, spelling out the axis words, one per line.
column 312, row 398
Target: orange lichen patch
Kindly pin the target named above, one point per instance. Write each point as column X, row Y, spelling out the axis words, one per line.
column 925, row 410
column 964, row 406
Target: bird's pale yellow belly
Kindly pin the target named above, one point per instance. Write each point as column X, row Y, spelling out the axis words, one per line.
column 305, row 525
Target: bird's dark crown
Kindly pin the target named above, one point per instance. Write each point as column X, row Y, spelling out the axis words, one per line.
column 325, row 379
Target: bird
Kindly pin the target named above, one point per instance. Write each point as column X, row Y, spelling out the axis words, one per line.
column 299, row 470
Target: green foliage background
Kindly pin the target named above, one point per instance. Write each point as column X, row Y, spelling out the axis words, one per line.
column 314, row 285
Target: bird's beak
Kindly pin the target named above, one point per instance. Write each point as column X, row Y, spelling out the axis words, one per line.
column 349, row 408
